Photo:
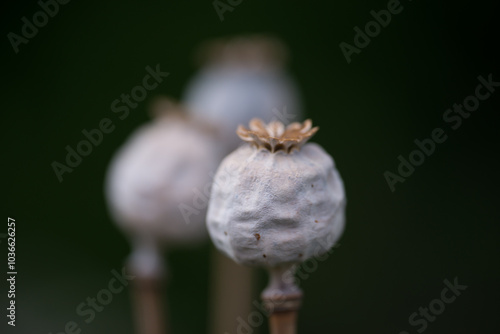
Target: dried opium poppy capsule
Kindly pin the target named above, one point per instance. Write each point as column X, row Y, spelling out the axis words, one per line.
column 156, row 187
column 275, row 202
column 157, row 174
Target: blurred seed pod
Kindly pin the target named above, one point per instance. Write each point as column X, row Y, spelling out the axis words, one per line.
column 158, row 183
column 243, row 78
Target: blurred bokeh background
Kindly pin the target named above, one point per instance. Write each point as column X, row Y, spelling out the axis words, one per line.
column 398, row 247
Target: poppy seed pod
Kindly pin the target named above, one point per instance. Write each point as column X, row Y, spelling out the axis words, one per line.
column 157, row 188
column 276, row 201
column 158, row 177
column 244, row 78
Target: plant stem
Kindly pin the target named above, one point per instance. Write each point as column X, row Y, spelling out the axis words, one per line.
column 146, row 264
column 282, row 298
column 283, row 322
column 148, row 305
column 231, row 293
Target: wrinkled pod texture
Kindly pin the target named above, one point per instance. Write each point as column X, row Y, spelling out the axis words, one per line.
column 272, row 208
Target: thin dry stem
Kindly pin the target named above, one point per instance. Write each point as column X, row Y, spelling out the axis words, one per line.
column 146, row 264
column 148, row 305
column 283, row 322
column 231, row 290
column 282, row 299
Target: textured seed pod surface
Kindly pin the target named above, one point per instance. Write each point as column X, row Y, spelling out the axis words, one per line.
column 276, row 200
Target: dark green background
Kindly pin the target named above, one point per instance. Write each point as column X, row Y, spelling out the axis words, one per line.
column 397, row 248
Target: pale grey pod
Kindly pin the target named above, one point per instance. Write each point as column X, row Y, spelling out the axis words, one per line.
column 158, row 183
column 242, row 83
column 276, row 201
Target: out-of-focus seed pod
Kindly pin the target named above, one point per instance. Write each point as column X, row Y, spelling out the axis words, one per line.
column 243, row 78
column 158, row 183
column 157, row 189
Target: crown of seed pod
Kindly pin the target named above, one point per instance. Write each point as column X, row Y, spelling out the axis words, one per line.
column 243, row 78
column 277, row 200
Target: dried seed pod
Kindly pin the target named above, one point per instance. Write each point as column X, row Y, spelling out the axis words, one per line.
column 276, row 201
column 157, row 178
column 243, row 79
column 157, row 190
